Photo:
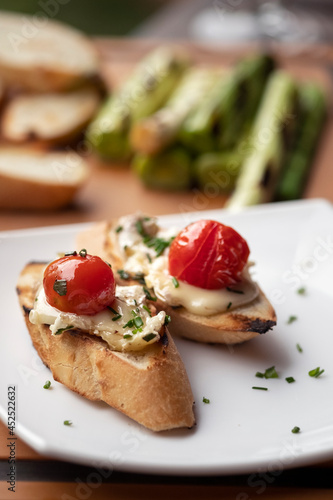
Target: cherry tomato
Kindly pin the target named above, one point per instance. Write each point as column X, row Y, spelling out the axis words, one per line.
column 208, row 254
column 79, row 284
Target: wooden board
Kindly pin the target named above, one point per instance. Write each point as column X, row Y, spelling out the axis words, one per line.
column 113, row 189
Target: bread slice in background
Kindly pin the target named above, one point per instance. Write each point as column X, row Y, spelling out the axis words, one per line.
column 37, row 179
column 150, row 387
column 231, row 327
column 50, row 118
column 40, row 54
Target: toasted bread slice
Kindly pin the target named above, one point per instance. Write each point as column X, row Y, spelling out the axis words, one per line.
column 44, row 55
column 150, row 386
column 231, row 327
column 39, row 180
column 50, row 118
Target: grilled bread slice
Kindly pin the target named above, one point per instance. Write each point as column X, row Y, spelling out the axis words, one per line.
column 230, row 327
column 39, row 180
column 149, row 386
column 43, row 55
column 49, row 118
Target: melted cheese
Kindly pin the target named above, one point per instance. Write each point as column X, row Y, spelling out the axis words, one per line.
column 129, row 300
column 134, row 253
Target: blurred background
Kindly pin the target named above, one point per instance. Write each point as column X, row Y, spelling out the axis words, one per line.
column 226, row 21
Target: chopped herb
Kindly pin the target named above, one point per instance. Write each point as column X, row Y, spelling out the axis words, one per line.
column 127, row 336
column 118, row 229
column 175, row 282
column 112, row 310
column 271, row 373
column 316, row 372
column 135, row 302
column 149, row 336
column 260, row 388
column 136, row 330
column 149, row 258
column 138, row 321
column 60, row 286
column 47, row 384
column 260, row 375
column 68, row 422
column 290, row 380
column 148, row 294
column 140, row 277
column 301, row 291
column 146, row 219
column 205, row 400
column 139, row 228
column 291, row 319
column 295, row 430
column 167, row 320
column 115, row 318
column 83, row 252
column 61, row 330
column 129, row 324
column 36, row 299
column 229, row 305
column 123, row 274
column 116, row 313
column 68, row 254
column 234, row 291
column 146, row 308
column 299, row 348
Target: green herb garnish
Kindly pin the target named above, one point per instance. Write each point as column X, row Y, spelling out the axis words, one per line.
column 234, row 291
column 316, row 372
column 138, row 321
column 47, row 384
column 175, row 282
column 149, row 336
column 229, row 305
column 123, row 274
column 148, row 294
column 68, row 254
column 60, row 286
column 301, row 291
column 167, row 320
column 83, row 252
column 299, row 348
column 118, row 229
column 129, row 324
column 146, row 308
column 61, row 330
column 295, row 430
column 290, row 380
column 127, row 336
column 269, row 373
column 68, row 422
column 291, row 319
column 260, row 388
column 149, row 258
column 260, row 375
column 206, row 400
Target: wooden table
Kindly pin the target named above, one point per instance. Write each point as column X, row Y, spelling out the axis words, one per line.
column 110, row 193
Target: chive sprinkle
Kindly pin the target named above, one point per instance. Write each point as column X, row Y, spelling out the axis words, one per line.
column 61, row 330
column 291, row 319
column 118, row 229
column 68, row 422
column 295, row 430
column 138, row 321
column 206, row 400
column 316, row 372
column 60, row 286
column 47, row 384
column 234, row 291
column 149, row 337
column 299, row 348
column 290, row 380
column 167, row 320
column 269, row 373
column 123, row 274
column 148, row 294
column 83, row 252
column 127, row 336
column 260, row 388
column 260, row 375
column 175, row 282
column 301, row 291
column 146, row 308
column 229, row 305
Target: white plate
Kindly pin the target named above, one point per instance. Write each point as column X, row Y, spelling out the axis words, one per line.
column 242, row 430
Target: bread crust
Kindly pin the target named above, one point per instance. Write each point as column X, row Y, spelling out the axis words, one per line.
column 231, row 327
column 151, row 387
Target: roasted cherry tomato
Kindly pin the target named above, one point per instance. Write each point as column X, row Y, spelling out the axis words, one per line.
column 208, row 254
column 79, row 284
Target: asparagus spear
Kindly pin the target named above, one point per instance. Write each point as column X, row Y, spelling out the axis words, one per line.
column 150, row 86
column 313, row 112
column 218, row 170
column 274, row 123
column 227, row 111
column 153, row 134
column 169, row 170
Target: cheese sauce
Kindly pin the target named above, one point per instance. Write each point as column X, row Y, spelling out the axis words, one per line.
column 139, row 258
column 121, row 330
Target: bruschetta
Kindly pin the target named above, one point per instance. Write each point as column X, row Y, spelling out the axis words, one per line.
column 104, row 341
column 200, row 276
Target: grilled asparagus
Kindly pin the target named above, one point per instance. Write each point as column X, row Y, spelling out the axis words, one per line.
column 273, row 126
column 149, row 87
column 154, row 133
column 313, row 111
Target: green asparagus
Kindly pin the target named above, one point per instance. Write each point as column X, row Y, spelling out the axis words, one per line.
column 154, row 133
column 313, row 112
column 274, row 124
column 150, row 86
column 218, row 170
column 169, row 170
